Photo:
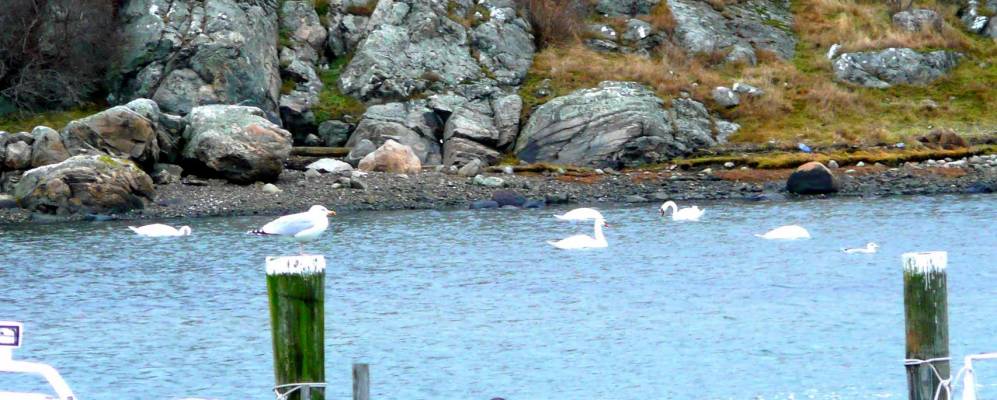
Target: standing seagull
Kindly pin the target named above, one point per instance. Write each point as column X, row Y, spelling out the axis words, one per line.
column 300, row 227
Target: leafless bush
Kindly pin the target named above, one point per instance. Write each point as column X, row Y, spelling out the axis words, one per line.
column 554, row 21
column 55, row 53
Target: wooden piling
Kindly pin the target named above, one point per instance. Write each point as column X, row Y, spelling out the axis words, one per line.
column 927, row 325
column 361, row 382
column 296, row 289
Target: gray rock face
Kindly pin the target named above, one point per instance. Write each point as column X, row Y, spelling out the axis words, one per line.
column 637, row 30
column 117, row 131
column 359, row 151
column 185, row 53
column 296, row 106
column 85, row 184
column 882, row 69
column 617, row 123
column 504, row 44
column 412, row 124
column 812, row 178
column 334, row 133
column 47, row 148
column 742, row 29
column 413, row 46
column 625, row 7
column 976, row 18
column 299, row 20
column 345, row 31
column 165, row 174
column 918, row 19
column 236, row 143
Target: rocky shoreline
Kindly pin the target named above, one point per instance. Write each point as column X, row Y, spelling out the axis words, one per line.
column 438, row 190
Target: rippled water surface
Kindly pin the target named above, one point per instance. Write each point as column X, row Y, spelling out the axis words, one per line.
column 474, row 305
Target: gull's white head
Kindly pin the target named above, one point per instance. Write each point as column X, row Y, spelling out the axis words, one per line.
column 184, row 230
column 322, row 210
column 872, row 246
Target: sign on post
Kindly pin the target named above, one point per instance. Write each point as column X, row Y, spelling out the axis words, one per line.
column 10, row 334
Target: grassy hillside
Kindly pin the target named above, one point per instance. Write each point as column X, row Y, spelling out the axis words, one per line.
column 802, row 102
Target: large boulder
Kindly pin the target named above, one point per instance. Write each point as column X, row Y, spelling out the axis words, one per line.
column 47, row 148
column 17, row 155
column 392, row 157
column 185, row 53
column 917, row 19
column 812, row 178
column 118, row 131
column 893, row 66
column 85, row 184
column 617, row 123
column 169, row 128
column 740, row 30
column 411, row 123
column 334, row 133
column 477, row 130
column 235, row 142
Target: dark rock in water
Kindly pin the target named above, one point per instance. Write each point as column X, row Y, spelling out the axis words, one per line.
column 635, row 199
column 975, row 188
column 7, row 202
column 812, row 178
column 99, row 217
column 508, row 198
column 534, row 204
column 484, row 204
column 557, row 198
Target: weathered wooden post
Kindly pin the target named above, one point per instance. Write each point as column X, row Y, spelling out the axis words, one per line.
column 296, row 289
column 927, row 324
column 361, row 382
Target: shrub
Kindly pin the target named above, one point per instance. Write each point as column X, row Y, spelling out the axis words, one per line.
column 554, row 21
column 55, row 53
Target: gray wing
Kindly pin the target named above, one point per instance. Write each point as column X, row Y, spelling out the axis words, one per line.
column 289, row 225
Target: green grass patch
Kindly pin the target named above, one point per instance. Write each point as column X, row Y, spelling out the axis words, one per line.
column 333, row 104
column 52, row 119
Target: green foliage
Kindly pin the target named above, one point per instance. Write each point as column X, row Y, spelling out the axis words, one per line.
column 52, row 119
column 333, row 104
column 287, row 86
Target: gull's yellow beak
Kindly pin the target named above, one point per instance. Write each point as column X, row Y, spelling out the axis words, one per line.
column 331, row 213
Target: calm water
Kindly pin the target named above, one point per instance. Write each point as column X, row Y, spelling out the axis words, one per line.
column 473, row 305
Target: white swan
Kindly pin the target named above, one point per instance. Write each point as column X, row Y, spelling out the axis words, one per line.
column 300, row 227
column 160, row 230
column 788, row 232
column 584, row 241
column 580, row 214
column 682, row 214
column 869, row 248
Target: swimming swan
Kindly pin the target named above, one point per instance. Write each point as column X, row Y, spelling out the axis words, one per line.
column 682, row 214
column 869, row 248
column 584, row 241
column 160, row 230
column 788, row 232
column 580, row 214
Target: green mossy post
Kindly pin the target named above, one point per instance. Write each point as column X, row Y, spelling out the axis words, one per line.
column 927, row 323
column 361, row 382
column 296, row 289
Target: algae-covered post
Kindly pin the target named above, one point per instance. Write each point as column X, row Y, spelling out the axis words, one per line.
column 927, row 324
column 296, row 288
column 361, row 382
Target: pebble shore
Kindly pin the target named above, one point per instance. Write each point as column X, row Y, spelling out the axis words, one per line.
column 438, row 190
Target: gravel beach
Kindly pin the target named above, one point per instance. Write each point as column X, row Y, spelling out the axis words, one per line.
column 437, row 190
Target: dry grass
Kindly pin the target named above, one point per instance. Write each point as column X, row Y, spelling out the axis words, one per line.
column 866, row 25
column 781, row 160
column 661, row 18
column 554, row 21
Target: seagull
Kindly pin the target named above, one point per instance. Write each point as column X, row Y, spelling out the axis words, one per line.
column 869, row 248
column 580, row 214
column 160, row 230
column 682, row 214
column 300, row 227
column 788, row 232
